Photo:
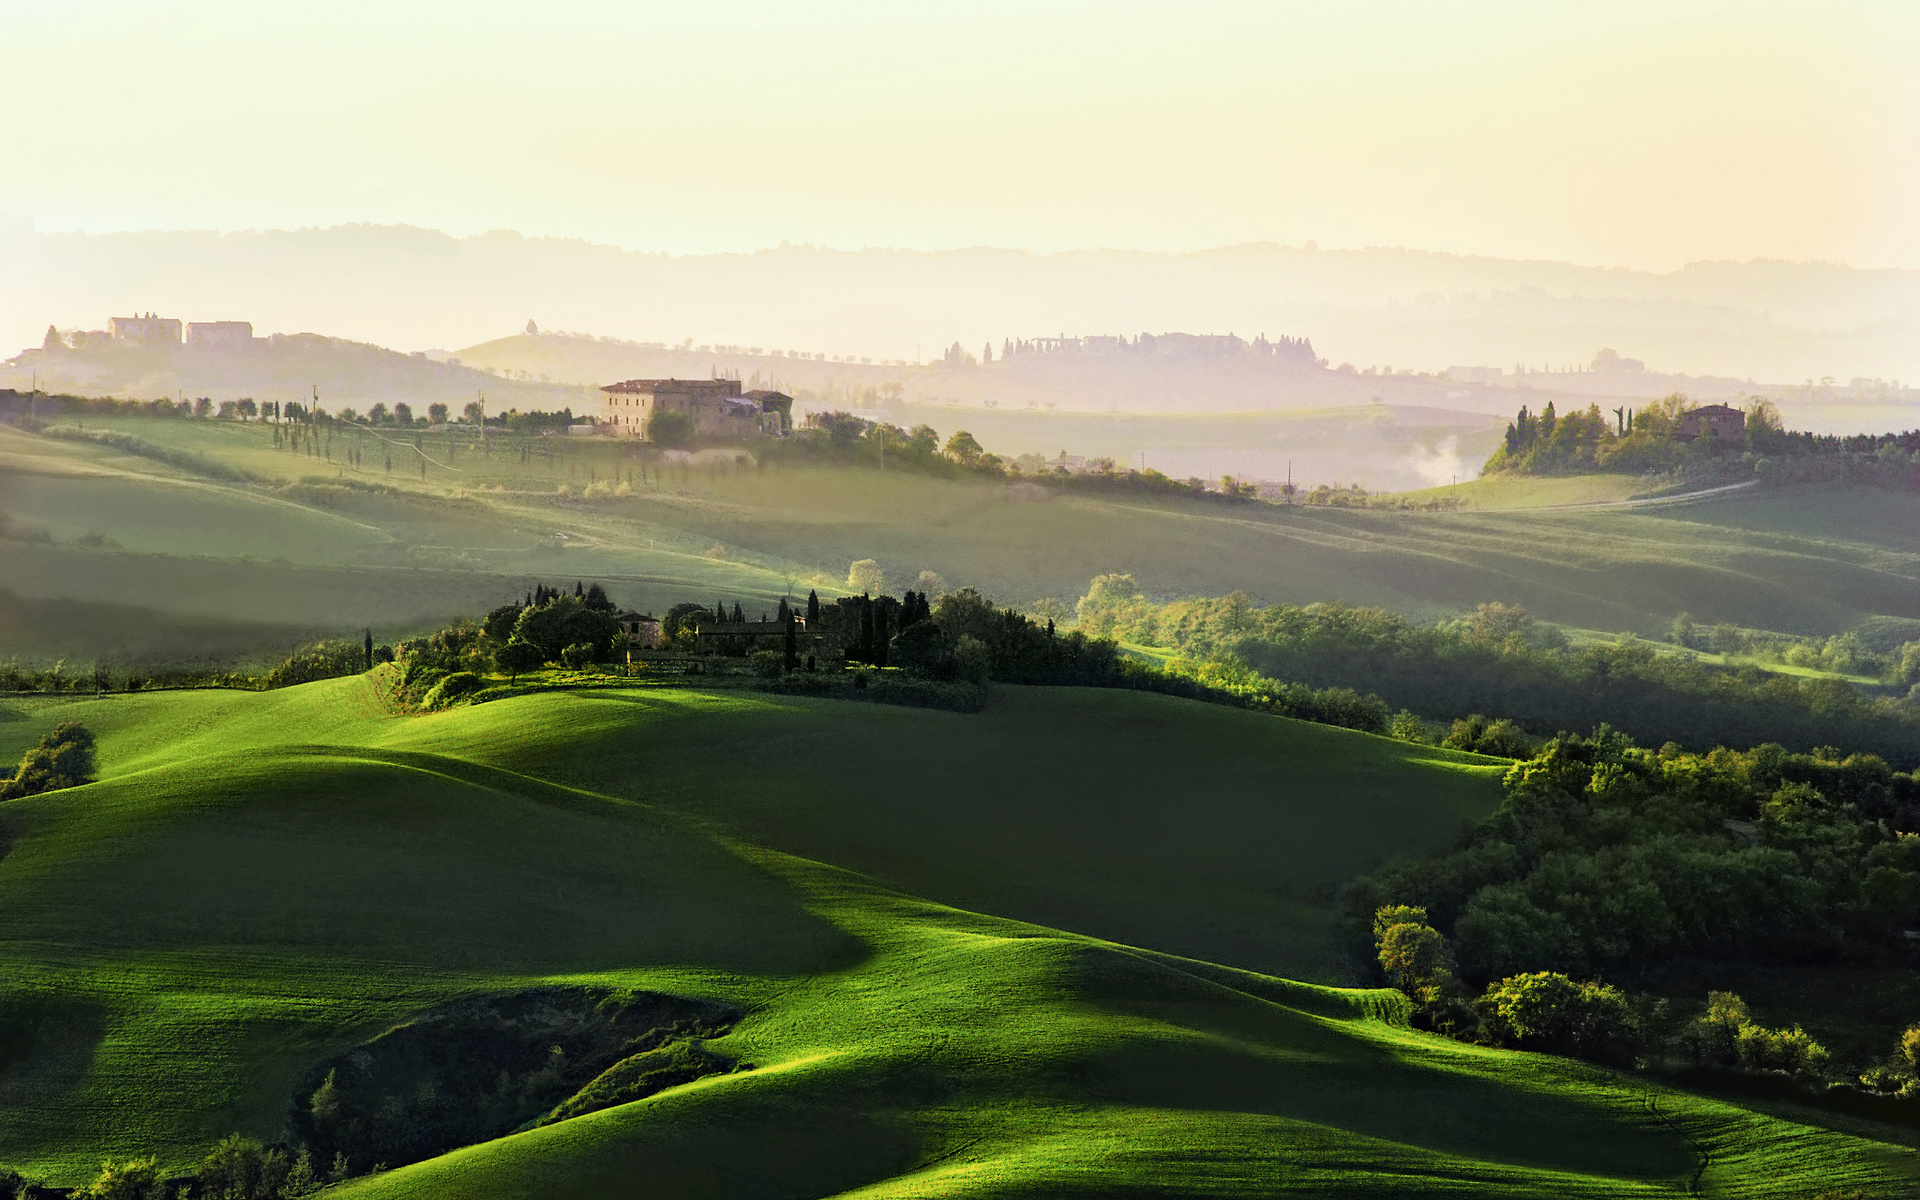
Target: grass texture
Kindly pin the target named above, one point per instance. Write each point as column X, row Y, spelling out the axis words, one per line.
column 1055, row 949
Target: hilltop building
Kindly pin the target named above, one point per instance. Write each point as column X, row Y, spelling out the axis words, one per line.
column 1721, row 422
column 220, row 335
column 714, row 408
column 147, row 330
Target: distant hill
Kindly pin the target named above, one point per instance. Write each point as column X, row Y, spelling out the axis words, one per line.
column 1769, row 321
column 286, row 367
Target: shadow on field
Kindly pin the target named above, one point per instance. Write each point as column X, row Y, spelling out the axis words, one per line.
column 1218, row 1048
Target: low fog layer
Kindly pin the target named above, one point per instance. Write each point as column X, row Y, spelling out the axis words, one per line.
column 417, row 289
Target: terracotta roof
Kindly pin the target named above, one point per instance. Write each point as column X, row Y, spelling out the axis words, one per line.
column 722, row 386
column 1713, row 410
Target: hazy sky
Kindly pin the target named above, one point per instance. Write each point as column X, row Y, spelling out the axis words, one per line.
column 1629, row 133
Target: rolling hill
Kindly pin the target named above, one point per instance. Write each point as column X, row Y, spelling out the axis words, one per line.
column 964, row 961
column 312, row 544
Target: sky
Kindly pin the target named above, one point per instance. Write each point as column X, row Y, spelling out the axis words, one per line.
column 1626, row 133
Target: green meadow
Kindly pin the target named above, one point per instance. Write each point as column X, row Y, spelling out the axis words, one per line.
column 1077, row 945
column 347, row 548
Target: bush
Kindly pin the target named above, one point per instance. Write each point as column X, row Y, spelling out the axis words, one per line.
column 768, row 664
column 1548, row 1012
column 239, row 1168
column 63, row 759
column 134, row 1179
column 455, row 687
column 1497, row 739
column 1726, row 1036
column 577, row 657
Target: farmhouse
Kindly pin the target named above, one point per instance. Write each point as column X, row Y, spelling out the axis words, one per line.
column 1721, row 422
column 643, row 629
column 713, row 407
column 220, row 335
column 147, row 330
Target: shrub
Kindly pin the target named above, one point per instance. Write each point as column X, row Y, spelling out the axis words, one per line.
column 1498, row 739
column 768, row 664
column 1791, row 1050
column 1727, row 1036
column 239, row 1168
column 1549, row 1012
column 63, row 759
column 577, row 656
column 134, row 1179
column 1407, row 726
column 455, row 687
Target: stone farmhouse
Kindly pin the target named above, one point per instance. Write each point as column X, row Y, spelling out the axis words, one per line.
column 1721, row 422
column 717, row 408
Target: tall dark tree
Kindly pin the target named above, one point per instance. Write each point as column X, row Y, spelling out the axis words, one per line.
column 792, row 641
column 369, row 649
column 598, row 600
column 578, row 590
column 739, row 618
column 813, row 607
column 786, row 610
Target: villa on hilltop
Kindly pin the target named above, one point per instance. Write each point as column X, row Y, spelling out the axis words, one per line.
column 146, row 331
column 1719, row 422
column 713, row 408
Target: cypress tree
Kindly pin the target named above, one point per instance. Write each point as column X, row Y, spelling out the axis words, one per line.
column 813, row 607
column 739, row 618
column 720, row 612
column 786, row 610
column 369, row 649
column 792, row 641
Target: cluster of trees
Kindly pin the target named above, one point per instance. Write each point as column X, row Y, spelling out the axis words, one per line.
column 61, row 759
column 1647, row 440
column 1553, row 1013
column 237, row 1168
column 1846, row 653
column 1605, row 857
column 844, row 438
column 1607, row 860
column 1499, row 660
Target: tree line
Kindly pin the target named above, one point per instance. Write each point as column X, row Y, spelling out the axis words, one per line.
column 1607, row 863
column 1648, row 440
column 1499, row 660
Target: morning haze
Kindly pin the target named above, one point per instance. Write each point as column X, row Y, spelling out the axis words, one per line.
column 959, row 601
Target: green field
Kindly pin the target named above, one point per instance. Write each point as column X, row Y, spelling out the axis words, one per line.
column 478, row 530
column 1044, row 950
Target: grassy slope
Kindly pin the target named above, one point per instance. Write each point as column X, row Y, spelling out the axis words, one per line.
column 260, row 880
column 1812, row 562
